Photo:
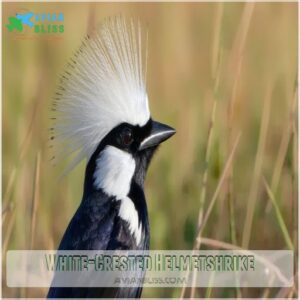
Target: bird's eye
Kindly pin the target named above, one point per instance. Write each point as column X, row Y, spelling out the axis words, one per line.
column 127, row 137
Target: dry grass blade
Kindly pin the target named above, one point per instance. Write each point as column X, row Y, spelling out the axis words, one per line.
column 237, row 56
column 9, row 187
column 231, row 105
column 266, row 293
column 240, row 40
column 216, row 193
column 209, row 290
column 295, row 204
column 35, row 199
column 216, row 73
column 285, row 291
column 230, row 189
column 216, row 41
column 257, row 169
column 9, row 229
column 283, row 147
column 207, row 159
column 214, row 198
column 11, row 218
column 217, row 60
column 279, row 217
column 6, row 210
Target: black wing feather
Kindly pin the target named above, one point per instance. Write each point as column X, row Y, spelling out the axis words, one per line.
column 96, row 226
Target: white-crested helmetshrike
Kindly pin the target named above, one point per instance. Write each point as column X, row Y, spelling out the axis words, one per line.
column 101, row 113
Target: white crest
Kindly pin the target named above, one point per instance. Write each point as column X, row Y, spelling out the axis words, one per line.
column 103, row 87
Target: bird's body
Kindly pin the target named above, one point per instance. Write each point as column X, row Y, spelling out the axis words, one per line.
column 98, row 226
column 113, row 211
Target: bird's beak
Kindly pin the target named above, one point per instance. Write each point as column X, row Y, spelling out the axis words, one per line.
column 159, row 133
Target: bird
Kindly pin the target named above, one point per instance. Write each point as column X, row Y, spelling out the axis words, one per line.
column 101, row 114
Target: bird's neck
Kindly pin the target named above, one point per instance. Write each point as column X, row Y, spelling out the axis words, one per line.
column 121, row 177
column 116, row 172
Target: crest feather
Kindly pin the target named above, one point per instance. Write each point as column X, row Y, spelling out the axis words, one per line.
column 103, row 86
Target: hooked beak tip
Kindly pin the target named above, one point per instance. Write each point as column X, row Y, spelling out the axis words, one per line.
column 158, row 134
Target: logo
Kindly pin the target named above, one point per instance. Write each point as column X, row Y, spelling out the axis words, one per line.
column 30, row 22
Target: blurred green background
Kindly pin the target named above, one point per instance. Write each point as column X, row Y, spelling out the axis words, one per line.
column 214, row 71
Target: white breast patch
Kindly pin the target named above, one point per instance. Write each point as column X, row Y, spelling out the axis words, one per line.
column 113, row 174
column 128, row 213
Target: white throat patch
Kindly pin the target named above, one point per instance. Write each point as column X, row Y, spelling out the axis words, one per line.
column 114, row 171
column 113, row 174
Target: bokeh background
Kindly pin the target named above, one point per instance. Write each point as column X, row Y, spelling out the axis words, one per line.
column 224, row 75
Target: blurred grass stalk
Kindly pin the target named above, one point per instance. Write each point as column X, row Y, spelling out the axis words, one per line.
column 288, row 134
column 198, row 239
column 251, row 203
column 216, row 73
column 240, row 43
column 10, row 220
column 279, row 217
column 217, row 190
column 216, row 76
column 295, row 204
column 35, row 200
column 235, row 64
column 283, row 147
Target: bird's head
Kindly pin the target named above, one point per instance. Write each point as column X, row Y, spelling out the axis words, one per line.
column 102, row 111
column 126, row 146
column 138, row 139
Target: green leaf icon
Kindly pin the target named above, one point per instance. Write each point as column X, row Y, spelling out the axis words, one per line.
column 14, row 23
